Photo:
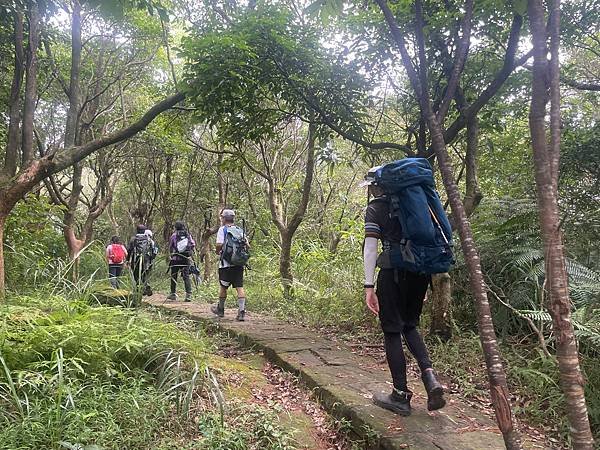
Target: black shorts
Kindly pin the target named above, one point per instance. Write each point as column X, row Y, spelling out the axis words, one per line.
column 401, row 296
column 231, row 276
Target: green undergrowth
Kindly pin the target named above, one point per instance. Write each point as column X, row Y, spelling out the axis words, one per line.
column 77, row 376
column 326, row 291
column 532, row 376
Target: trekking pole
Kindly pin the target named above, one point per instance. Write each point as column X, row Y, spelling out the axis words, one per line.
column 437, row 222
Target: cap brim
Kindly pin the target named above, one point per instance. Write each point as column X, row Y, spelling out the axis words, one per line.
column 365, row 183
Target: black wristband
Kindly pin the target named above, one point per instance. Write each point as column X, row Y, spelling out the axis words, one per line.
column 367, row 286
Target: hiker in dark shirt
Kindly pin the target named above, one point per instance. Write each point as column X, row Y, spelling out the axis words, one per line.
column 398, row 301
column 140, row 253
column 181, row 246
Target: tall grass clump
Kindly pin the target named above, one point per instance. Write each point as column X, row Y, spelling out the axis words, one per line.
column 73, row 374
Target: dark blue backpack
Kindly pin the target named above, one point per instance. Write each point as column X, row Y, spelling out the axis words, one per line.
column 426, row 245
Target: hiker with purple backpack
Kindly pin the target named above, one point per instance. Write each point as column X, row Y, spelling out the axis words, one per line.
column 406, row 215
column 181, row 247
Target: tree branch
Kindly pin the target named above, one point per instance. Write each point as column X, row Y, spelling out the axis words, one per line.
column 507, row 68
column 69, row 156
column 579, row 85
column 459, row 63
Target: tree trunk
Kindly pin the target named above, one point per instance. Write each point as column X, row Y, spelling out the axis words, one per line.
column 285, row 267
column 334, row 242
column 74, row 245
column 71, row 125
column 205, row 254
column 11, row 158
column 497, row 378
column 441, row 306
column 3, row 217
column 287, row 234
column 473, row 195
column 30, row 83
column 546, row 158
column 167, row 201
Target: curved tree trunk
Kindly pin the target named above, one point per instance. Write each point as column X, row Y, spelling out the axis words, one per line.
column 496, row 375
column 546, row 159
column 287, row 230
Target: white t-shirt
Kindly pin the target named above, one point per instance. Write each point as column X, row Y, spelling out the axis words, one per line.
column 221, row 240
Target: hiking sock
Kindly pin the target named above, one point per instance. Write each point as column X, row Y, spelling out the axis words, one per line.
column 242, row 303
column 222, row 303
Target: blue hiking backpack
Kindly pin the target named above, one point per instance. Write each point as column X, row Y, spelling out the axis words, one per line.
column 426, row 245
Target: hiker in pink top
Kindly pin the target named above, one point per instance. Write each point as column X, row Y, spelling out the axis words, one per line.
column 116, row 254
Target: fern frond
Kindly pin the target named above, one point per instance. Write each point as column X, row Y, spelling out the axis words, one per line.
column 581, row 274
column 541, row 316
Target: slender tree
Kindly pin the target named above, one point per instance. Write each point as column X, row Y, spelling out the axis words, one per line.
column 419, row 81
column 546, row 153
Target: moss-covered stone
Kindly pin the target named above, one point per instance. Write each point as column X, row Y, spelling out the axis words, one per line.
column 116, row 297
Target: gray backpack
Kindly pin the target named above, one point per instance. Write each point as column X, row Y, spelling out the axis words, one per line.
column 235, row 248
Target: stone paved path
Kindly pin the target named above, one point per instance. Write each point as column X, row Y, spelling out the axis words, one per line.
column 346, row 382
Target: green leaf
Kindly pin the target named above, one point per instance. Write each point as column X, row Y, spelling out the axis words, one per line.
column 520, row 6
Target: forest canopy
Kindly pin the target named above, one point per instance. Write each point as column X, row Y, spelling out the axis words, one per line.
column 117, row 114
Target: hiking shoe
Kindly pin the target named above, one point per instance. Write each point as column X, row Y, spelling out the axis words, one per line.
column 172, row 296
column 435, row 391
column 188, row 297
column 397, row 402
column 220, row 312
column 241, row 316
column 148, row 291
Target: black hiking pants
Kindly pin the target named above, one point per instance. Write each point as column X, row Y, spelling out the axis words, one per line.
column 184, row 268
column 401, row 296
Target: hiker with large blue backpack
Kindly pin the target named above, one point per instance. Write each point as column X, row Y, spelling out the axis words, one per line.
column 406, row 215
column 233, row 250
column 181, row 247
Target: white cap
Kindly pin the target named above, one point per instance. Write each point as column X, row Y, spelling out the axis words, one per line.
column 370, row 177
column 230, row 213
